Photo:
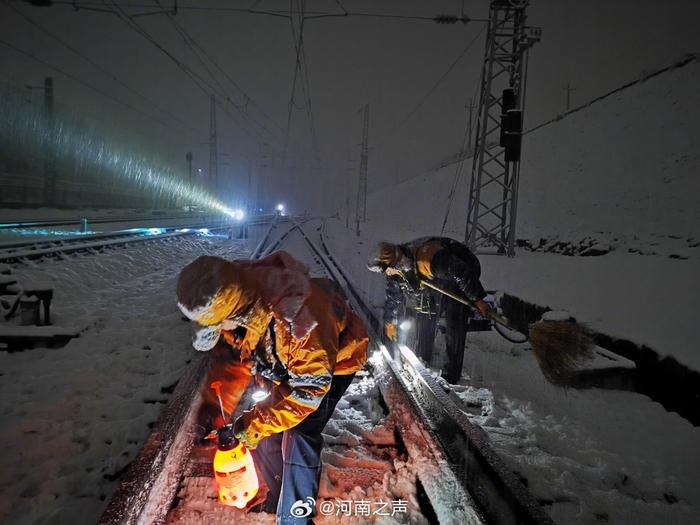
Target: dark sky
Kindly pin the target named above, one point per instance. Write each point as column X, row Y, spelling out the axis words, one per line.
column 389, row 63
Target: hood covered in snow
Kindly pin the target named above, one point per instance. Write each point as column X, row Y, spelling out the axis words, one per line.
column 211, row 290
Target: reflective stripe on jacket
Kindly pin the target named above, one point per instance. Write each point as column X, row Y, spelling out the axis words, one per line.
column 337, row 344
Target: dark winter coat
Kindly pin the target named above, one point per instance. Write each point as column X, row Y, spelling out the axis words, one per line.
column 444, row 261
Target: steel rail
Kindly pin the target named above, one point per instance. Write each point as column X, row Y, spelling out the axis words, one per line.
column 466, row 462
column 146, row 491
column 106, row 220
column 37, row 249
column 500, row 495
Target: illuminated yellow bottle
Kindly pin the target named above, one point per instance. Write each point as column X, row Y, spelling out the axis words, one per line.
column 236, row 478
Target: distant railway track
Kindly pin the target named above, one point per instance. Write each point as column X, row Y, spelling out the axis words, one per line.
column 18, row 251
column 431, row 426
column 100, row 220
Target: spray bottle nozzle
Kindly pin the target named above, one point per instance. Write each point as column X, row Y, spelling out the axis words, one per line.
column 226, row 439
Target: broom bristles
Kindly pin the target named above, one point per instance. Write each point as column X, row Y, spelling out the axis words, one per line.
column 560, row 346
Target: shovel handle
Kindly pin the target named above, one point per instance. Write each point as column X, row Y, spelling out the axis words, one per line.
column 494, row 316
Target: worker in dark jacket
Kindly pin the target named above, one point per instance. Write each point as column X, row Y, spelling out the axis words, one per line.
column 448, row 264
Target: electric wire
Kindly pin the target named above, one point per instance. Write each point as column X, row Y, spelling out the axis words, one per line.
column 459, row 170
column 205, row 86
column 82, row 82
column 113, row 77
column 196, row 49
column 434, row 87
column 276, row 13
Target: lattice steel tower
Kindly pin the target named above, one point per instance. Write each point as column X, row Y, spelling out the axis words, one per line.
column 493, row 190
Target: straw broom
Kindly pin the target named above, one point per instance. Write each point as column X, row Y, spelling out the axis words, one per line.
column 559, row 345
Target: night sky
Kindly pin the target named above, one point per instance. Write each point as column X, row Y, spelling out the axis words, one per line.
column 390, row 63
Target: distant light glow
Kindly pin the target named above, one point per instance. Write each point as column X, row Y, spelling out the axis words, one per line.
column 238, row 214
column 156, row 231
column 405, row 325
column 77, row 143
column 260, row 210
column 205, row 231
column 280, row 207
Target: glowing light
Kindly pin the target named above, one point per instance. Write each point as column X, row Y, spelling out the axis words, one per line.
column 78, row 143
column 238, row 214
column 235, row 475
column 259, row 395
column 156, row 231
column 280, row 207
column 405, row 325
column 260, row 210
column 205, row 231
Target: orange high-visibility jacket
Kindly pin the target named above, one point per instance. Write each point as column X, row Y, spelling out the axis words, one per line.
column 337, row 345
column 316, row 335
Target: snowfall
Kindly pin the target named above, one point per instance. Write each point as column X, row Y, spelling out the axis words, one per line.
column 73, row 418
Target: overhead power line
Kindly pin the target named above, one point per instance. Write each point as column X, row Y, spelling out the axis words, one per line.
column 426, row 96
column 198, row 49
column 82, row 82
column 203, row 84
column 440, row 19
column 112, row 76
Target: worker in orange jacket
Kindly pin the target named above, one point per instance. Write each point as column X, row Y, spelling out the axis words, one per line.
column 299, row 334
column 442, row 261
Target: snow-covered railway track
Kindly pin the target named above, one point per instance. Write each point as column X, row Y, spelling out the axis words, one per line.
column 17, row 251
column 455, row 476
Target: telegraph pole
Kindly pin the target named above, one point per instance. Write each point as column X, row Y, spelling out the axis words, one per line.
column 49, row 156
column 249, row 205
column 348, row 185
column 188, row 158
column 361, row 205
column 568, row 90
column 213, row 158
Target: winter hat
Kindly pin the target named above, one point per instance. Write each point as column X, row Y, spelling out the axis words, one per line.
column 384, row 255
column 210, row 290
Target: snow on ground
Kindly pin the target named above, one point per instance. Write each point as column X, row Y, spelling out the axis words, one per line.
column 646, row 299
column 72, row 418
column 592, row 456
column 362, row 463
column 585, row 182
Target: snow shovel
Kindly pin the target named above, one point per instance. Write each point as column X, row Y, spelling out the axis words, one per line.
column 559, row 345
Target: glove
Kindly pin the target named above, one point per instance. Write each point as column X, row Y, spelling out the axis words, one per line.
column 390, row 330
column 241, row 434
column 483, row 307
